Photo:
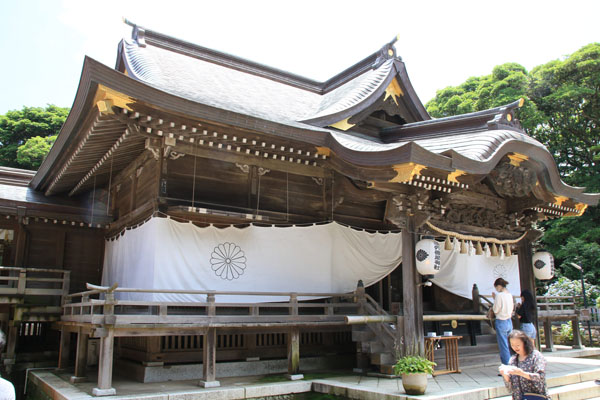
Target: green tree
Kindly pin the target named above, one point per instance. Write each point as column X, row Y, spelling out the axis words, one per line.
column 32, row 153
column 562, row 111
column 567, row 95
column 507, row 83
column 16, row 127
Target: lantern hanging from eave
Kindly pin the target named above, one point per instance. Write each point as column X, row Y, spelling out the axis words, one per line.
column 543, row 265
column 428, row 256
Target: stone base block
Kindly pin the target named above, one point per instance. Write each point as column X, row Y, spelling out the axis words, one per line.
column 78, row 379
column 104, row 392
column 209, row 384
column 295, row 377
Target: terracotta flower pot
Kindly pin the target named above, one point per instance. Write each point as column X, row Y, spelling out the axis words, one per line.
column 415, row 384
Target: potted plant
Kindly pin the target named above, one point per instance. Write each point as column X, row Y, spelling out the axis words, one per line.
column 414, row 370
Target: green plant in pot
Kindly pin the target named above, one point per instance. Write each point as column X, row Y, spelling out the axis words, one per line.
column 414, row 370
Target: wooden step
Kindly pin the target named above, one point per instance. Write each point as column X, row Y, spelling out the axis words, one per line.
column 386, row 369
column 377, row 347
column 362, row 335
column 382, row 358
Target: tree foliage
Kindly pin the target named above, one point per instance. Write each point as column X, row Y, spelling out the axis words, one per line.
column 566, row 287
column 31, row 154
column 567, row 94
column 16, row 127
column 562, row 111
column 507, row 83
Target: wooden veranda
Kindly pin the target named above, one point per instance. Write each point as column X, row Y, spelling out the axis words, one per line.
column 109, row 317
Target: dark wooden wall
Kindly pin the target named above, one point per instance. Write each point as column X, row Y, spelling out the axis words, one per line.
column 60, row 246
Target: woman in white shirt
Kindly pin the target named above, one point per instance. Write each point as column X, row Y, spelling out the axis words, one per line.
column 503, row 308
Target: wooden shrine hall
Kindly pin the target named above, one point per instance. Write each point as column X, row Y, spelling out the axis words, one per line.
column 212, row 210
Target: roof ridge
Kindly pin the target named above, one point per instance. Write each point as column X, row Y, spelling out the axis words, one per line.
column 143, row 37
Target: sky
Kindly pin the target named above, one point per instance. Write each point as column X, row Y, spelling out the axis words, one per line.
column 43, row 42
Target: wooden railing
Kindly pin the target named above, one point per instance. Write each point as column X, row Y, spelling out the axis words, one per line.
column 18, row 282
column 383, row 330
column 321, row 308
column 559, row 305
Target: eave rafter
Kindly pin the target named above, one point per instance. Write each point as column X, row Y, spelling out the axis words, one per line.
column 206, row 136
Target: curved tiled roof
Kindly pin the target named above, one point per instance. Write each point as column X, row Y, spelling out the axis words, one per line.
column 217, row 86
column 209, row 85
column 229, row 83
column 353, row 92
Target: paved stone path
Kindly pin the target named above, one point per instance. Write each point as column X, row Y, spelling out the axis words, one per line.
column 473, row 383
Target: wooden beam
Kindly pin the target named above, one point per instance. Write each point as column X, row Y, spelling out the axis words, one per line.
column 235, row 157
column 209, row 359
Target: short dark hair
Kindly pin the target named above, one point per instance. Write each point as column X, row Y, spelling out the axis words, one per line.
column 500, row 282
column 527, row 341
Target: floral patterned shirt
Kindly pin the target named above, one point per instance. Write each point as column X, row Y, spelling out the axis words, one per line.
column 535, row 365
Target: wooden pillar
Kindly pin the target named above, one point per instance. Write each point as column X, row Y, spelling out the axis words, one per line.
column 412, row 303
column 64, row 349
column 363, row 359
column 548, row 335
column 80, row 357
column 293, row 355
column 209, row 359
column 527, row 278
column 11, row 345
column 105, row 365
column 293, row 344
column 389, row 293
column 21, row 244
column 576, row 335
column 476, row 301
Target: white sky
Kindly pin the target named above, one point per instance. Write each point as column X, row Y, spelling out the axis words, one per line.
column 43, row 42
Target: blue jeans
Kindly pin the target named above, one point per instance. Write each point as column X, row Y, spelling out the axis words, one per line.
column 529, row 329
column 503, row 328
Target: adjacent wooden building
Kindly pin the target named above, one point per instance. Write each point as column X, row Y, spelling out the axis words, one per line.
column 179, row 130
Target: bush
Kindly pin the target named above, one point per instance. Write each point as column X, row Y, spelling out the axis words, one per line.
column 413, row 365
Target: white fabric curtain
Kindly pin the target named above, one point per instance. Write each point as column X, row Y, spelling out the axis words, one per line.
column 459, row 272
column 165, row 254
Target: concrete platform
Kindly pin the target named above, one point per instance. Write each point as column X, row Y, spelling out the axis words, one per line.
column 569, row 377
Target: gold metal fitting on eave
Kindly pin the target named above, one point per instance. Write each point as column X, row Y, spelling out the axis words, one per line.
column 343, row 125
column 106, row 98
column 405, row 172
column 394, row 90
column 452, row 176
column 516, row 159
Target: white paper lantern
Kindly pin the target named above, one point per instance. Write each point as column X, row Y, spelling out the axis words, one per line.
column 428, row 257
column 543, row 265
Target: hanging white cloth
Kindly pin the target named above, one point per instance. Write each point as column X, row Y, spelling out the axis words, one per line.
column 459, row 272
column 165, row 254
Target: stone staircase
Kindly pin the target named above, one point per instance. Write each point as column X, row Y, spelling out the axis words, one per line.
column 570, row 387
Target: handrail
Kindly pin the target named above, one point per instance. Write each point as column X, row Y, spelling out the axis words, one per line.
column 105, row 289
column 34, row 269
column 375, row 305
